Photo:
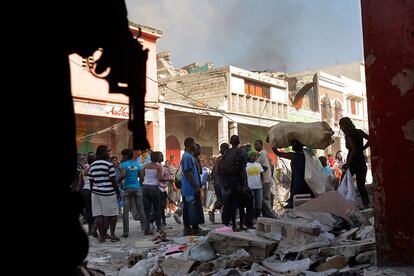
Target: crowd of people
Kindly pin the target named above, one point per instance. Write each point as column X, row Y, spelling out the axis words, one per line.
column 241, row 183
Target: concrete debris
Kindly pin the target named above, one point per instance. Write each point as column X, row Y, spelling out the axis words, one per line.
column 336, row 262
column 144, row 267
column 371, row 220
column 330, row 202
column 173, row 266
column 366, row 232
column 348, row 249
column 326, row 219
column 367, row 257
column 202, row 252
column 400, row 271
column 292, row 231
column 289, row 266
column 357, row 218
column 324, row 236
column 225, row 243
column 240, row 259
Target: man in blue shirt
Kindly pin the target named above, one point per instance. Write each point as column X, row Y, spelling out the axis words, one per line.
column 132, row 191
column 192, row 210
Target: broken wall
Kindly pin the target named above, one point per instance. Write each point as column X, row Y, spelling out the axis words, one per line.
column 197, row 89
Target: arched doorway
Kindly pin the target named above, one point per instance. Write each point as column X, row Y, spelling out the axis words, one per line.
column 173, row 150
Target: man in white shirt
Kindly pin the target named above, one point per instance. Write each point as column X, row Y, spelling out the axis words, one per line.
column 263, row 159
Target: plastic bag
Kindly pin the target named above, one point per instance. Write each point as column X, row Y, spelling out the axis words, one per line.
column 346, row 188
column 317, row 180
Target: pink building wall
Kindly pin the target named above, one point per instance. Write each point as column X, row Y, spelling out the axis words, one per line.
column 86, row 86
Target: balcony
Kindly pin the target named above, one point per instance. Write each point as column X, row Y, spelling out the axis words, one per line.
column 258, row 106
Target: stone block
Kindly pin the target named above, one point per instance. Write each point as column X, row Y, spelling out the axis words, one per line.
column 226, row 243
column 336, row 262
column 292, row 231
column 348, row 249
column 366, row 257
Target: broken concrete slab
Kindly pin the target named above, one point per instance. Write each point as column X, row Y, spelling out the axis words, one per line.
column 226, row 243
column 292, row 231
column 348, row 249
column 284, row 267
column 336, row 262
column 329, row 202
column 390, row 271
column 326, row 219
column 173, row 266
column 371, row 220
column 284, row 248
column 367, row 257
column 357, row 218
column 202, row 252
column 366, row 232
column 348, row 234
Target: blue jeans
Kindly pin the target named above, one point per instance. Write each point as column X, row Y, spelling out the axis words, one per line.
column 257, row 198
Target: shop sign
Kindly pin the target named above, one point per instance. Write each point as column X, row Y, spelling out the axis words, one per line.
column 99, row 109
column 109, row 110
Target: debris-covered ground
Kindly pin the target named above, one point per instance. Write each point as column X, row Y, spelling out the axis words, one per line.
column 323, row 236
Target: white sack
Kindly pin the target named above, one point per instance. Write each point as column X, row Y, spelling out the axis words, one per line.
column 346, row 188
column 317, row 135
column 316, row 179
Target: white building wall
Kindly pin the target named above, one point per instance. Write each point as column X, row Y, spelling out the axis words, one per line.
column 278, row 95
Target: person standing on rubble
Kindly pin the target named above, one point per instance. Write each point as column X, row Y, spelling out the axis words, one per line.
column 234, row 182
column 132, row 191
column 105, row 192
column 355, row 160
column 218, row 189
column 298, row 184
column 192, row 206
column 263, row 159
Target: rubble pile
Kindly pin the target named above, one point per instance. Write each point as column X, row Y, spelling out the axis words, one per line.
column 298, row 242
column 307, row 240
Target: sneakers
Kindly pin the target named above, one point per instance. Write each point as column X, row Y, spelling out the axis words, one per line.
column 211, row 216
column 125, row 235
column 177, row 219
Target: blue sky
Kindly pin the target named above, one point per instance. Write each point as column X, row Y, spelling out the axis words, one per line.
column 274, row 35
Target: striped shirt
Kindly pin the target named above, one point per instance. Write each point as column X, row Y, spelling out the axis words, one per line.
column 101, row 172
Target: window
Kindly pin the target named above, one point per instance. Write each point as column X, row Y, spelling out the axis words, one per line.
column 256, row 89
column 353, row 106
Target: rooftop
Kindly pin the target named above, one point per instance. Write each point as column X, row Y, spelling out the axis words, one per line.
column 146, row 29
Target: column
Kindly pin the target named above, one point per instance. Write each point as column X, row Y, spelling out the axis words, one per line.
column 388, row 30
column 223, row 131
column 161, row 130
column 233, row 129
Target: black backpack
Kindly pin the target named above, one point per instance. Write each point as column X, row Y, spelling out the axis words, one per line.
column 231, row 162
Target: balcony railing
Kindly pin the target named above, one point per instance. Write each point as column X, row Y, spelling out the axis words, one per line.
column 258, row 106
